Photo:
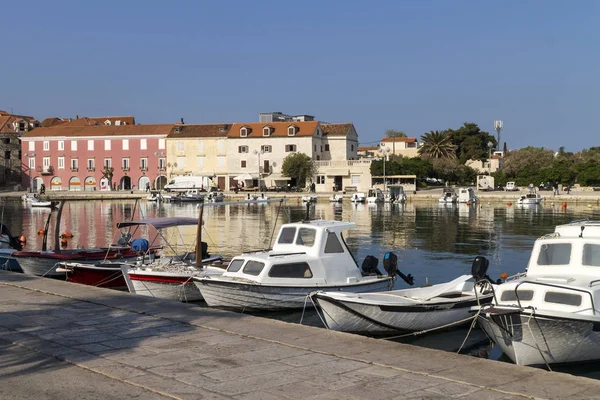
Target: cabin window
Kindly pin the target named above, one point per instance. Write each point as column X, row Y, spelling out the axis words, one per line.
column 568, row 299
column 554, row 254
column 306, row 237
column 253, row 267
column 287, row 236
column 591, row 254
column 333, row 244
column 235, row 265
column 291, row 270
column 524, row 295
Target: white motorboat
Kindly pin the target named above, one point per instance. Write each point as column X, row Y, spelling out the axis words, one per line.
column 550, row 313
column 336, row 198
column 445, row 305
column 189, row 196
column 309, row 199
column 43, row 203
column 215, row 197
column 395, row 194
column 530, row 199
column 375, row 195
column 449, row 196
column 467, row 195
column 306, row 256
column 358, row 198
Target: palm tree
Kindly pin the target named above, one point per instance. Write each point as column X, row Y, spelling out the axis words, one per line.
column 437, row 144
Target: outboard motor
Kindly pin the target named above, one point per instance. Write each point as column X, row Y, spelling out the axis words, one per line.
column 369, row 266
column 479, row 268
column 11, row 240
column 390, row 263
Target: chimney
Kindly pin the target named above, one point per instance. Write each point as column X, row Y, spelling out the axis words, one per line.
column 182, row 121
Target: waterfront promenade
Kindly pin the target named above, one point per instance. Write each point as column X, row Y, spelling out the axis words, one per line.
column 68, row 341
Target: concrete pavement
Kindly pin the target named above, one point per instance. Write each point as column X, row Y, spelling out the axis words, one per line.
column 68, row 341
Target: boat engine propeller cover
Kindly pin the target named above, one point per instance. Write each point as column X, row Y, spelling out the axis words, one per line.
column 369, row 266
column 479, row 268
column 390, row 263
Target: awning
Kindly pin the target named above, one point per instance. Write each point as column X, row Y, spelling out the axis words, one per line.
column 244, row 177
column 278, row 177
column 338, row 172
column 160, row 223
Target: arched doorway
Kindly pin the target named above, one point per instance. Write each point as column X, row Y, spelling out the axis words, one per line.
column 75, row 184
column 160, row 182
column 142, row 182
column 125, row 183
column 55, row 183
column 89, row 184
column 37, row 183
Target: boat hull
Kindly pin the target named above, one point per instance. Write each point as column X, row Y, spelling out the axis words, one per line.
column 241, row 296
column 109, row 276
column 543, row 339
column 8, row 262
column 368, row 318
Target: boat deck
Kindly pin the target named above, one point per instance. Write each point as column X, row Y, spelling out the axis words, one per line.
column 69, row 341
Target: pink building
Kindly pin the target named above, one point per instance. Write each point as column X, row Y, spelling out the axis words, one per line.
column 73, row 156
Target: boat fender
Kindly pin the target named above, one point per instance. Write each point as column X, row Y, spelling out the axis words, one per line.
column 63, row 243
column 41, row 231
column 479, row 268
column 390, row 263
column 23, row 240
column 66, row 235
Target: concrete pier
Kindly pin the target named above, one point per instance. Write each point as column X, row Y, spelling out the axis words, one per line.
column 68, row 341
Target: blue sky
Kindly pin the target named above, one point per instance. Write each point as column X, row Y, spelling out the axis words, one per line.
column 413, row 66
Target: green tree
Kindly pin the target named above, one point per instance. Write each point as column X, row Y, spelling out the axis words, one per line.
column 471, row 143
column 437, row 144
column 453, row 171
column 299, row 166
column 519, row 163
column 108, row 173
column 391, row 133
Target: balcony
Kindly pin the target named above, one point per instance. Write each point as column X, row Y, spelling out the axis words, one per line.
column 125, row 169
column 46, row 170
column 91, row 169
column 74, row 169
column 143, row 168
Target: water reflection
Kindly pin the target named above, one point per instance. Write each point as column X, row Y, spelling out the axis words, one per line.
column 434, row 242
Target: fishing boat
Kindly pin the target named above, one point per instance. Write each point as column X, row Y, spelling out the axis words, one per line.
column 375, row 195
column 336, row 198
column 306, row 256
column 449, row 196
column 309, row 198
column 445, row 305
column 549, row 314
column 533, row 198
column 395, row 194
column 43, row 203
column 467, row 195
column 358, row 198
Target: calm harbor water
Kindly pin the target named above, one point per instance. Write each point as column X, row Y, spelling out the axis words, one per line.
column 434, row 243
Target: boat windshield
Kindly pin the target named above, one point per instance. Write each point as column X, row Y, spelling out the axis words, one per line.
column 306, row 237
column 554, row 254
column 591, row 254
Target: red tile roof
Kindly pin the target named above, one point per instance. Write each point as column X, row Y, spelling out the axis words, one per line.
column 279, row 129
column 399, row 139
column 336, row 129
column 366, row 148
column 199, row 130
column 99, row 130
column 6, row 122
column 87, row 121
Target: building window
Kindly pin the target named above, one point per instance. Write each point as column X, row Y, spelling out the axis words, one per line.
column 31, row 163
column 242, row 149
column 107, row 145
column 73, row 145
column 74, row 165
column 321, row 148
column 144, row 164
column 326, row 147
column 221, row 162
column 200, row 146
column 220, row 145
column 7, row 154
column 107, row 162
column 31, row 146
column 143, row 144
column 125, row 144
column 46, row 163
column 351, row 147
column 161, row 144
column 6, row 140
column 355, row 180
column 162, row 164
column 267, row 131
column 266, row 148
column 243, row 131
column 90, row 145
column 243, row 163
column 61, row 163
column 290, row 148
column 125, row 164
column 291, row 130
column 200, row 162
column 61, row 145
column 181, row 162
column 315, row 148
column 180, row 145
column 320, row 179
column 46, row 145
column 91, row 164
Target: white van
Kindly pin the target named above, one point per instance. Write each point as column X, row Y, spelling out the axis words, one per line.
column 511, row 187
column 184, row 183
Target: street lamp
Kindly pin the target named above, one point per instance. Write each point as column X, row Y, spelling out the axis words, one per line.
column 384, row 152
column 259, row 152
column 490, row 145
column 30, row 155
column 498, row 125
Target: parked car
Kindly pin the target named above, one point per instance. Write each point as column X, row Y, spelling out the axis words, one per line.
column 546, row 186
column 511, row 187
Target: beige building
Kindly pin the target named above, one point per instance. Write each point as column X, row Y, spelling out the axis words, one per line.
column 487, row 166
column 402, row 146
column 199, row 150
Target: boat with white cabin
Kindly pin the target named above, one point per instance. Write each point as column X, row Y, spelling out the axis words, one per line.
column 467, row 195
column 530, row 199
column 449, row 196
column 358, row 198
column 306, row 257
column 375, row 195
column 395, row 194
column 336, row 198
column 430, row 307
column 551, row 314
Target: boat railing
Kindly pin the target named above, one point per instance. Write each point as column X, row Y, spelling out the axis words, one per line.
column 554, row 286
column 287, row 254
column 592, row 283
